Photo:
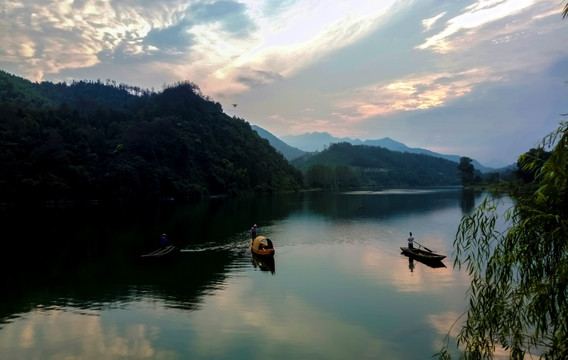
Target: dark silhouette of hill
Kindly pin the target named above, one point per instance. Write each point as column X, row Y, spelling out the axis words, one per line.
column 347, row 165
column 94, row 140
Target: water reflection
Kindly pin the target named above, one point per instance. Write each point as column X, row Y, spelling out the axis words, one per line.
column 434, row 264
column 342, row 290
column 467, row 201
column 393, row 202
column 180, row 283
column 263, row 263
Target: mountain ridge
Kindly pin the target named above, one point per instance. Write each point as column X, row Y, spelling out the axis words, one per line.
column 343, row 165
column 317, row 141
column 289, row 152
column 94, row 140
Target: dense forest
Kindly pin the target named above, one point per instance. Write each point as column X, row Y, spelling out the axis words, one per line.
column 95, row 140
column 343, row 165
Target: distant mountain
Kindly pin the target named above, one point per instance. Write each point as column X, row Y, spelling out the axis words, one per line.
column 315, row 141
column 346, row 165
column 318, row 141
column 289, row 152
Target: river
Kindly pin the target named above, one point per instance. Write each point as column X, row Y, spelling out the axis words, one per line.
column 75, row 286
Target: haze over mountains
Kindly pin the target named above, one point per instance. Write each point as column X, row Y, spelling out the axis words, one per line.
column 293, row 146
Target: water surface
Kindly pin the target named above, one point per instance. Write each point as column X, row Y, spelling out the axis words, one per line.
column 338, row 288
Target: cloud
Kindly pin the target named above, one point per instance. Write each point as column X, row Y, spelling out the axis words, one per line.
column 173, row 38
column 27, row 49
column 251, row 77
column 67, row 34
column 412, row 93
column 480, row 14
column 231, row 15
column 428, row 23
column 288, row 41
column 228, row 36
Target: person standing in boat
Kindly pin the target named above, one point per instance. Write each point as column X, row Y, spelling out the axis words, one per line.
column 253, row 231
column 410, row 241
column 163, row 241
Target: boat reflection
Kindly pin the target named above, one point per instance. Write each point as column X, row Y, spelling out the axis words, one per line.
column 264, row 263
column 430, row 263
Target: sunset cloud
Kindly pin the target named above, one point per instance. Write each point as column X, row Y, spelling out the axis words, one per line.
column 354, row 64
column 413, row 93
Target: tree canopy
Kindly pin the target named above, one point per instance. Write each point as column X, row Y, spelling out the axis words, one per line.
column 347, row 165
column 94, row 140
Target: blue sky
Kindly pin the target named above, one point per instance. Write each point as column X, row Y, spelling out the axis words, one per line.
column 485, row 79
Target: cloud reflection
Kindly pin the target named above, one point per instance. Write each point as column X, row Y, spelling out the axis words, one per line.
column 450, row 323
column 295, row 325
column 63, row 334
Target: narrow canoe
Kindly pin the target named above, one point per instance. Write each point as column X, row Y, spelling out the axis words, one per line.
column 422, row 254
column 262, row 246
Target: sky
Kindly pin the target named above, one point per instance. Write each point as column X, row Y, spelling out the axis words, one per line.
column 486, row 79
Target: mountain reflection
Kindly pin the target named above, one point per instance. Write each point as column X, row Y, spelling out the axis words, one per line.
column 386, row 203
column 79, row 287
column 89, row 256
column 179, row 284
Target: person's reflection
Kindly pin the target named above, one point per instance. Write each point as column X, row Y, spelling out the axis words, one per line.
column 411, row 264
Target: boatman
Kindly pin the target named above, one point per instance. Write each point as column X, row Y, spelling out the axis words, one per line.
column 253, row 231
column 410, row 241
column 163, row 241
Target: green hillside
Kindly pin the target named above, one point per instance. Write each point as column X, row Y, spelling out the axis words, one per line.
column 94, row 140
column 345, row 165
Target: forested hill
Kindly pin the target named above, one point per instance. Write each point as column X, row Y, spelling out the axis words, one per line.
column 346, row 165
column 94, row 140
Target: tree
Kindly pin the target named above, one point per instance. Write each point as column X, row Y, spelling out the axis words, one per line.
column 530, row 163
column 519, row 289
column 466, row 170
column 95, row 141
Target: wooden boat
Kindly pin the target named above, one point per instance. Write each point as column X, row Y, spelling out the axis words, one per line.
column 422, row 254
column 162, row 252
column 262, row 246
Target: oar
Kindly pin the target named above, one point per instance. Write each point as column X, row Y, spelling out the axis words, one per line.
column 423, row 246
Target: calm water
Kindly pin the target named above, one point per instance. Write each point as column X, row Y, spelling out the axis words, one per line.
column 339, row 287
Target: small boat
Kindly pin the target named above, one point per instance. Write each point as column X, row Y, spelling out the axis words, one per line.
column 262, row 246
column 422, row 254
column 162, row 252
